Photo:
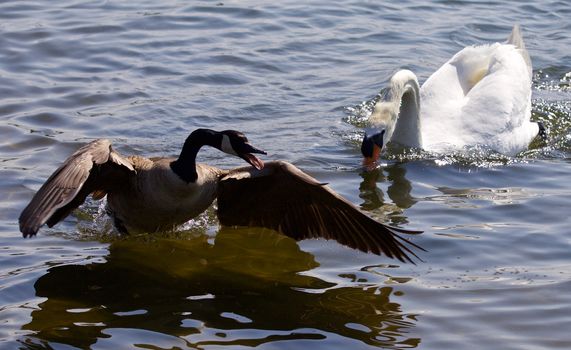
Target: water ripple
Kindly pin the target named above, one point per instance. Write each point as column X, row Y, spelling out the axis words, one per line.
column 292, row 76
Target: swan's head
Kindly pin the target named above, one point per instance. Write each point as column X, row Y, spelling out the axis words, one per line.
column 372, row 145
column 235, row 143
column 383, row 120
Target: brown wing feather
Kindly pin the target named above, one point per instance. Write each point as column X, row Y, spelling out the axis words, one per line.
column 284, row 198
column 95, row 166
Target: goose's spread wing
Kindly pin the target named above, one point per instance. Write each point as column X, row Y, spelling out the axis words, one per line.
column 283, row 198
column 93, row 167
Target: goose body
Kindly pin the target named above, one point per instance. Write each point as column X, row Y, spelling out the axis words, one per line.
column 148, row 195
column 169, row 200
column 481, row 96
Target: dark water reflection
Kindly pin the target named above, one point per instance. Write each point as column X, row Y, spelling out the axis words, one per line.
column 144, row 74
column 248, row 288
column 398, row 190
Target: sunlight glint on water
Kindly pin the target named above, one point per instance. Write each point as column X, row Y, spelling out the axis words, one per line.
column 299, row 79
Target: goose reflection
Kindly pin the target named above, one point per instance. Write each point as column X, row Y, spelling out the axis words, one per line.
column 399, row 192
column 246, row 289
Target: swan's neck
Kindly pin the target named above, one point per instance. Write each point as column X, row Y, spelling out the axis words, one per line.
column 400, row 110
column 185, row 165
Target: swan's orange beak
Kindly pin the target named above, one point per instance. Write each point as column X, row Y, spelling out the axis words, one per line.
column 371, row 162
column 371, row 147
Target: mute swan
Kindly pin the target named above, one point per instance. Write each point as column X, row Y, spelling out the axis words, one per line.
column 147, row 195
column 481, row 96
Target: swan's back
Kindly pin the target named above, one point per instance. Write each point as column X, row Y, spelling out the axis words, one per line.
column 482, row 95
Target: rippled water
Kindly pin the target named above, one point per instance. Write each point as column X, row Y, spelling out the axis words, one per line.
column 297, row 77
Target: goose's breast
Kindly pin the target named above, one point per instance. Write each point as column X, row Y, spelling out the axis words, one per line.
column 161, row 200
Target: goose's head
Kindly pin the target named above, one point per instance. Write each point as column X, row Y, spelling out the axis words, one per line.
column 228, row 141
column 235, row 143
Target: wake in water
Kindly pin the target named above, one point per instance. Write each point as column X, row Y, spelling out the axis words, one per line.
column 95, row 224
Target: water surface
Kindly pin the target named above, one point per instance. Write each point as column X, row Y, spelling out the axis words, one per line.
column 297, row 78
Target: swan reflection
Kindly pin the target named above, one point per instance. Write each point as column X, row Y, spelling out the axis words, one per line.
column 398, row 191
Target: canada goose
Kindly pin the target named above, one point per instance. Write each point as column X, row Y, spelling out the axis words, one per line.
column 481, row 96
column 148, row 195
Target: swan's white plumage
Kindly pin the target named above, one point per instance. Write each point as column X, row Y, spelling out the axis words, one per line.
column 481, row 96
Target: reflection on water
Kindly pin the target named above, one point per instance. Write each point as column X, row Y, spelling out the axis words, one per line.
column 247, row 288
column 146, row 73
column 399, row 192
column 497, row 196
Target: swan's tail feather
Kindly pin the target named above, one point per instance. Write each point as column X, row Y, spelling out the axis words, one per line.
column 516, row 40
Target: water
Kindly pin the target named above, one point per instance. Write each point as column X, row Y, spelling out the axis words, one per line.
column 296, row 77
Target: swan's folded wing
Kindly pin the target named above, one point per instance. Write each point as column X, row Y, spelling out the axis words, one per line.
column 93, row 167
column 283, row 198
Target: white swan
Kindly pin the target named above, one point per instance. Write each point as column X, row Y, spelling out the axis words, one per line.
column 481, row 96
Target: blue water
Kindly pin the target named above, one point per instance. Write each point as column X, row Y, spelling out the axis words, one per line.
column 296, row 77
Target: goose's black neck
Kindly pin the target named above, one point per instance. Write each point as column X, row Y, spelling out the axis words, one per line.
column 185, row 165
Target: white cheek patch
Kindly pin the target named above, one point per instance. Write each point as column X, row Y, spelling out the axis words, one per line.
column 226, row 146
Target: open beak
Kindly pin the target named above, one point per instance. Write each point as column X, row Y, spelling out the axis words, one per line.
column 249, row 157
